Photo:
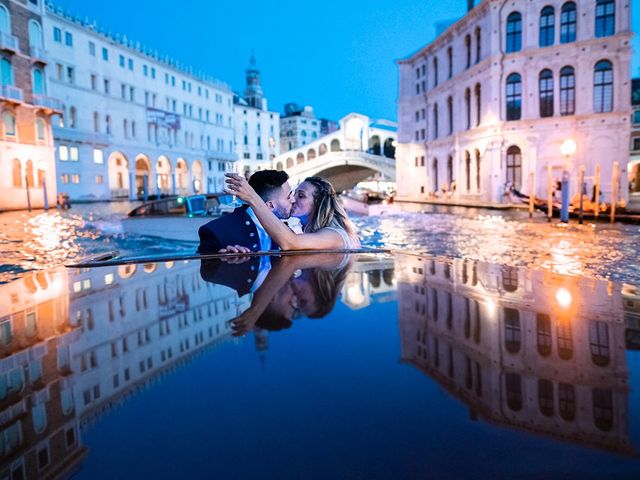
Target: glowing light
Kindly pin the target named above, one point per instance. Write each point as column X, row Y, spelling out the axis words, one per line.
column 180, row 200
column 564, row 298
column 568, row 147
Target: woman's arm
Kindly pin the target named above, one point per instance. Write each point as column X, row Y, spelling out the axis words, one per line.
column 278, row 231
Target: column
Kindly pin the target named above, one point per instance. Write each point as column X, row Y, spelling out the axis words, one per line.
column 133, row 195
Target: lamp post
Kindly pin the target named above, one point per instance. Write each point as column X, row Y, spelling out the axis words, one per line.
column 42, row 166
column 567, row 148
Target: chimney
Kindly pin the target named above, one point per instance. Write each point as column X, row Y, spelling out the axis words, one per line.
column 469, row 5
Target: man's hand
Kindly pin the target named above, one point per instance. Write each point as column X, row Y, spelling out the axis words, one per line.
column 239, row 249
column 235, row 249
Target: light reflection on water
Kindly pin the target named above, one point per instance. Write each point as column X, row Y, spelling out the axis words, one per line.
column 40, row 240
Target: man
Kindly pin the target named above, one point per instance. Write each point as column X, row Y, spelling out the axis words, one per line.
column 242, row 227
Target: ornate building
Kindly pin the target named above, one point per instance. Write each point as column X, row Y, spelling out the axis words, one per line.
column 26, row 143
column 490, row 101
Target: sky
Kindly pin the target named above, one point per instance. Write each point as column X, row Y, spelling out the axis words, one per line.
column 336, row 55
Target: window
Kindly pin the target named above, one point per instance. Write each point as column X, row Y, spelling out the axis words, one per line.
column 40, row 129
column 96, row 122
column 478, row 169
column 568, row 18
column 514, row 166
column 567, row 91
column 543, row 328
column 63, row 153
column 35, row 34
column 99, row 179
column 98, row 156
column 467, row 44
column 153, row 72
column 467, row 107
column 71, row 75
column 513, row 389
column 512, row 337
column 603, row 409
column 450, row 61
column 38, row 81
column 547, row 26
column 450, row 113
column 567, row 401
column 9, row 121
column 434, row 167
column 6, row 71
column 130, row 64
column 478, row 103
column 564, row 339
column 16, row 171
column 73, row 154
column 545, row 397
column 68, row 39
column 599, row 343
column 514, row 32
column 603, row 87
column 57, row 35
column 514, row 97
column 94, row 82
column 435, row 72
column 467, row 169
column 478, row 44
column 105, row 54
column 121, row 60
column 92, row 49
column 546, row 93
column 435, row 121
column 107, row 85
column 605, row 18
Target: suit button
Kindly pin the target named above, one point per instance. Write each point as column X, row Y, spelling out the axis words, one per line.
column 252, row 268
column 248, row 280
column 247, row 222
column 255, row 245
column 252, row 234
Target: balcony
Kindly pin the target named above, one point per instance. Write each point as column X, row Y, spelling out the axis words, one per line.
column 8, row 42
column 221, row 156
column 80, row 136
column 38, row 54
column 52, row 105
column 12, row 94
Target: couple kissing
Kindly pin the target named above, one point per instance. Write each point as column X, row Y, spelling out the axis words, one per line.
column 269, row 200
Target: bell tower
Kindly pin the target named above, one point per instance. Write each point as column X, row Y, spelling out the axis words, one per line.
column 253, row 93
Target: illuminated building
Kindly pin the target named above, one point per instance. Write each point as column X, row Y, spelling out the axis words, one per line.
column 135, row 123
column 26, row 142
column 493, row 97
column 530, row 350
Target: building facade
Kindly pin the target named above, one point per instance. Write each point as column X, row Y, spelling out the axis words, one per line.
column 257, row 130
column 489, row 102
column 134, row 124
column 298, row 127
column 26, row 143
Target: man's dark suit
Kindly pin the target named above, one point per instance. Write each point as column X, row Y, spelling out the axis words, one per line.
column 239, row 277
column 236, row 228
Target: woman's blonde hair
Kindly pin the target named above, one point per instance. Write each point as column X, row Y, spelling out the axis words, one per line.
column 327, row 208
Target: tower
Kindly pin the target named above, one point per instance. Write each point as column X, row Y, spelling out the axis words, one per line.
column 253, row 91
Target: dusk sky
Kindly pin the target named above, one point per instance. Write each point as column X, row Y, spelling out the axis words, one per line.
column 337, row 56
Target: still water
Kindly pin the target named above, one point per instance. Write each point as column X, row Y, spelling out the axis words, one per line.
column 365, row 367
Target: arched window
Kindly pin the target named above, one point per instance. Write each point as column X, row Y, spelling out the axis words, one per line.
column 547, row 26
column 605, row 18
column 467, row 44
column 449, row 169
column 6, row 71
column 478, row 44
column 434, row 168
column 567, row 91
column 567, row 401
column 38, row 81
column 478, row 169
column 467, row 169
column 5, row 20
column 599, row 343
column 512, row 334
column 568, row 19
column 477, row 91
column 435, row 120
column 107, row 124
column 41, row 129
column 467, row 107
column 603, row 408
column 543, row 329
column 514, row 32
column 603, row 87
column 450, row 61
column 514, row 96
column 545, row 397
column 9, row 122
column 565, row 339
column 450, row 114
column 513, row 388
column 16, row 173
column 73, row 117
column 35, row 34
column 435, row 71
column 545, row 82
column 29, row 173
column 514, row 166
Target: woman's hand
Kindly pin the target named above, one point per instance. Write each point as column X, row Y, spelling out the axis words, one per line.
column 237, row 185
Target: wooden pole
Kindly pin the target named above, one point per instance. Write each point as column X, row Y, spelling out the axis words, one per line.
column 597, row 192
column 581, row 188
column 549, row 194
column 614, row 191
column 532, row 192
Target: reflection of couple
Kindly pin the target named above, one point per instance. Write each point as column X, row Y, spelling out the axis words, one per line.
column 308, row 284
column 258, row 226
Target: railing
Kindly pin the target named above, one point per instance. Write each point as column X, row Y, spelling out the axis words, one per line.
column 218, row 155
column 38, row 53
column 48, row 102
column 11, row 93
column 8, row 42
column 119, row 193
column 81, row 136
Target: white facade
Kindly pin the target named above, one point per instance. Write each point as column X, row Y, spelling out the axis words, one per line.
column 453, row 106
column 299, row 129
column 134, row 124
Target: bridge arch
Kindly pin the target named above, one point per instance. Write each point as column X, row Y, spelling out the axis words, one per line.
column 322, row 149
column 335, row 145
column 299, row 159
column 289, row 162
column 311, row 154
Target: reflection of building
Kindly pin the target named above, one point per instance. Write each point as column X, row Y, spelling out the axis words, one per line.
column 531, row 350
column 74, row 343
column 257, row 129
column 135, row 122
column 369, row 279
column 494, row 96
column 27, row 167
column 633, row 168
column 39, row 434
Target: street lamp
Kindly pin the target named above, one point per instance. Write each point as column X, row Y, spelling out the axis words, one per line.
column 567, row 149
column 42, row 166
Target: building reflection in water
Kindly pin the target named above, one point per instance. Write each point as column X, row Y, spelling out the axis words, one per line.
column 526, row 349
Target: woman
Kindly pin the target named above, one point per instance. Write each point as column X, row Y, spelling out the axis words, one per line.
column 325, row 223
